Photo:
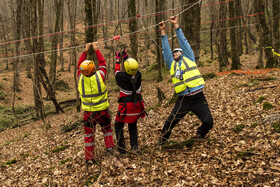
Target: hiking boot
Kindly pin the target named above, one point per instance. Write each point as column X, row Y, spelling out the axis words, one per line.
column 110, row 150
column 122, row 151
column 198, row 137
column 161, row 141
column 135, row 150
column 90, row 163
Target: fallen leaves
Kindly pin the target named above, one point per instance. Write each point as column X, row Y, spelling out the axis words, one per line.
column 249, row 157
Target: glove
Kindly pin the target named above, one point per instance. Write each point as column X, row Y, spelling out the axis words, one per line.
column 118, row 55
column 124, row 53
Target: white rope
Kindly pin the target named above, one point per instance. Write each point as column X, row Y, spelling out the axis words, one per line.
column 63, row 49
column 96, row 25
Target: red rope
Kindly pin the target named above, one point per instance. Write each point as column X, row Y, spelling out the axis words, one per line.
column 104, row 24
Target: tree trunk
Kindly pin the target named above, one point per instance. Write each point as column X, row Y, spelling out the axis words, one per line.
column 61, row 59
column 159, row 4
column 41, row 32
column 213, row 16
column 191, row 27
column 26, row 32
column 223, row 58
column 48, row 87
column 264, row 34
column 235, row 47
column 146, row 23
column 17, row 46
column 132, row 28
column 276, row 35
column 246, row 41
column 36, row 79
column 96, row 12
column 247, row 21
column 238, row 13
column 4, row 48
column 211, row 41
column 104, row 27
column 53, row 63
column 72, row 9
column 88, row 23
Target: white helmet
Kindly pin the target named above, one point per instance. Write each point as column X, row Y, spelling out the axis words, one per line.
column 177, row 49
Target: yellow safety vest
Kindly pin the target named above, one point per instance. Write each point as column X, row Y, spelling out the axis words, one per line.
column 93, row 92
column 190, row 75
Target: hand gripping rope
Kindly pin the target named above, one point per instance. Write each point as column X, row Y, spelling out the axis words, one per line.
column 116, row 38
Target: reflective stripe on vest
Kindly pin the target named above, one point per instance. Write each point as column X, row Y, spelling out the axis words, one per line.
column 93, row 93
column 191, row 75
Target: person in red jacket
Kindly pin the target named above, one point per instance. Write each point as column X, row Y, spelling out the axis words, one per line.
column 93, row 92
column 131, row 104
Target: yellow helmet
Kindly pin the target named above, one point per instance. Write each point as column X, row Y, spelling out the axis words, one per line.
column 131, row 66
column 87, row 68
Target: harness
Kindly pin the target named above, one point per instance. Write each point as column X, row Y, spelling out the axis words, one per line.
column 130, row 99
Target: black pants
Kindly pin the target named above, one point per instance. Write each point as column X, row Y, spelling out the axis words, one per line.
column 132, row 129
column 184, row 104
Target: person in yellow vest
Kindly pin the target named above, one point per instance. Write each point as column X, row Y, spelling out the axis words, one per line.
column 94, row 100
column 188, row 84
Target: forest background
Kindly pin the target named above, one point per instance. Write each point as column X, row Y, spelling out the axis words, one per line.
column 236, row 46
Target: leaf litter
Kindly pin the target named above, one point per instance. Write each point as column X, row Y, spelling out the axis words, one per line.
column 249, row 157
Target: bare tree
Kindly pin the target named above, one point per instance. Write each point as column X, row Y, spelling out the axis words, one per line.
column 88, row 24
column 213, row 17
column 246, row 23
column 191, row 26
column 72, row 10
column 264, row 33
column 132, row 28
column 26, row 28
column 146, row 23
column 53, row 63
column 235, row 47
column 17, row 45
column 238, row 13
column 96, row 12
column 223, row 55
column 105, row 18
column 276, row 35
column 159, row 7
column 36, row 79
column 41, row 7
column 61, row 59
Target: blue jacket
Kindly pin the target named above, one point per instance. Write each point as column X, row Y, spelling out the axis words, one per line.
column 187, row 52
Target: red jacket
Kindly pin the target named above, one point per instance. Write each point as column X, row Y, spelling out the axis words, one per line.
column 102, row 70
column 128, row 112
column 101, row 64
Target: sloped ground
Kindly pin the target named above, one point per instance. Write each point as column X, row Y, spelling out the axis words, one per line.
column 241, row 149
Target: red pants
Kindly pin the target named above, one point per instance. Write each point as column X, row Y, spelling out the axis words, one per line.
column 90, row 121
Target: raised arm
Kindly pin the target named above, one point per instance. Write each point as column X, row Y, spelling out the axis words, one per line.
column 118, row 63
column 102, row 67
column 184, row 44
column 82, row 58
column 166, row 51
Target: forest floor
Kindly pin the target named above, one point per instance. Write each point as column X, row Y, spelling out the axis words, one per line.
column 242, row 149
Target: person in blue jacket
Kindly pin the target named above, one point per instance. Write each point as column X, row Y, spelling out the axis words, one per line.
column 188, row 84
